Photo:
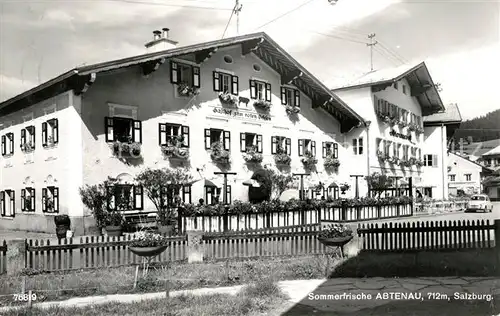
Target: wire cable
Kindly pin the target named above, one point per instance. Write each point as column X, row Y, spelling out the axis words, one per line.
column 229, row 21
column 285, row 14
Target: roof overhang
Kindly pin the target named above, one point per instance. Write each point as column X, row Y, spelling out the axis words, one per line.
column 260, row 44
column 421, row 84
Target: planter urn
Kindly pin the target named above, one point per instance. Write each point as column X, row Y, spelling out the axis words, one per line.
column 147, row 251
column 335, row 241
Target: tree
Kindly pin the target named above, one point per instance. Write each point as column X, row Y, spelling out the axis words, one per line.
column 263, row 192
column 160, row 182
column 95, row 198
column 280, row 182
column 378, row 183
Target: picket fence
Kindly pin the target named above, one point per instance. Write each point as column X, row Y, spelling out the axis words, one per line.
column 242, row 222
column 425, row 236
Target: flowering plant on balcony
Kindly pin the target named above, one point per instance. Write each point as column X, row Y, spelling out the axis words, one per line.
column 381, row 155
column 393, row 160
column 331, row 162
column 412, row 127
column 419, row 163
column 146, row 239
column 127, row 147
column 406, row 163
column 252, row 155
column 292, row 109
column 402, row 124
column 28, row 146
column 186, row 90
column 309, row 160
column 49, row 203
column 344, row 187
column 262, row 104
column 219, row 154
column 50, row 141
column 419, row 130
column 174, row 148
column 281, row 157
column 228, row 99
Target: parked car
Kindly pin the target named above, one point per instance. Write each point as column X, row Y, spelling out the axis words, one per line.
column 479, row 202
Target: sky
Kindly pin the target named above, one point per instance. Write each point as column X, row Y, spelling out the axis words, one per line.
column 459, row 40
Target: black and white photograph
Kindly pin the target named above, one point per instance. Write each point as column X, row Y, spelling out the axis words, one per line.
column 249, row 157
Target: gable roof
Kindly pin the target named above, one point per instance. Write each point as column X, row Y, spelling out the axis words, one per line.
column 451, row 115
column 468, row 160
column 258, row 43
column 494, row 151
column 418, row 77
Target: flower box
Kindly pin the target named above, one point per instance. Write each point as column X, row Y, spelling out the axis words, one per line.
column 252, row 156
column 219, row 154
column 292, row 109
column 127, row 148
column 175, row 152
column 419, row 130
column 412, row 127
column 227, row 98
column 309, row 160
column 262, row 104
column 381, row 156
column 402, row 124
column 282, row 159
column 185, row 90
column 28, row 147
column 331, row 162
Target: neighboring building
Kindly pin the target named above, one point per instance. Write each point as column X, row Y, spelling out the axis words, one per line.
column 67, row 126
column 405, row 94
column 464, row 176
column 491, row 160
column 477, row 149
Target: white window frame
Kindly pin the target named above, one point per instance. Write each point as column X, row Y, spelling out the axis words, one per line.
column 356, row 147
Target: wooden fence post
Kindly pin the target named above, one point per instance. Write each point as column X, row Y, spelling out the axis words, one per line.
column 195, row 246
column 16, row 256
column 497, row 243
column 179, row 220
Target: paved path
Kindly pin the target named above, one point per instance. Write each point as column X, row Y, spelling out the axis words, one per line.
column 341, row 296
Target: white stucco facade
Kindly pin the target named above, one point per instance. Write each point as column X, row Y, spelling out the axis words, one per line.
column 464, row 175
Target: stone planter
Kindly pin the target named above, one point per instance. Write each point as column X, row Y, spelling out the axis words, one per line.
column 166, row 229
column 147, row 251
column 114, row 230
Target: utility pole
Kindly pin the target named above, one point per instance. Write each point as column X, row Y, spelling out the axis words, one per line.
column 371, row 45
column 237, row 10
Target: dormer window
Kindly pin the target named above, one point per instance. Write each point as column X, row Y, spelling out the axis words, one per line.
column 28, row 139
column 260, row 90
column 50, row 133
column 307, row 147
column 186, row 77
column 7, row 144
column 290, row 97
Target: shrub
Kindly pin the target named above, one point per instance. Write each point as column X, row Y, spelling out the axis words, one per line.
column 262, row 193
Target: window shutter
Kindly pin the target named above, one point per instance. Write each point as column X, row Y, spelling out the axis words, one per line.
column 55, row 127
column 33, row 135
column 12, row 194
column 174, row 72
column 227, row 140
column 137, row 136
column 185, row 135
column 10, row 136
column 44, row 200
column 288, row 145
column 313, row 148
column 216, row 81
column 228, row 194
column 56, row 200
column 207, row 138
column 259, row 144
column 32, row 197
column 108, row 126
column 138, row 197
column 301, row 147
column 162, row 134
column 2, row 203
column 274, row 145
column 243, row 142
column 4, row 145
column 23, row 197
column 110, row 198
column 324, row 149
column 23, row 137
column 335, row 150
column 434, row 161
column 196, row 76
column 268, row 92
column 296, row 94
column 283, row 95
column 44, row 134
column 253, row 90
column 235, row 84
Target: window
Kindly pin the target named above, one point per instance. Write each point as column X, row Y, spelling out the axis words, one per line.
column 260, row 90
column 431, row 161
column 307, row 147
column 170, row 193
column 50, row 200
column 381, row 106
column 28, row 200
column 50, row 133
column 387, row 147
column 404, row 88
column 452, row 177
column 256, row 67
column 225, row 83
column 330, row 149
column 468, row 177
column 124, row 197
column 124, row 130
column 405, row 152
column 281, row 145
column 7, row 144
column 213, row 135
column 428, row 192
column 332, row 193
column 213, row 195
column 170, row 134
column 249, row 141
column 357, row 146
column 186, row 74
column 28, row 139
column 7, row 203
column 228, row 59
column 404, row 115
column 290, row 97
column 395, row 85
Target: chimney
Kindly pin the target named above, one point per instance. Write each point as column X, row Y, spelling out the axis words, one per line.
column 160, row 41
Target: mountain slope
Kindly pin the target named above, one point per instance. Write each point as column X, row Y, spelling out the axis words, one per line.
column 486, row 127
